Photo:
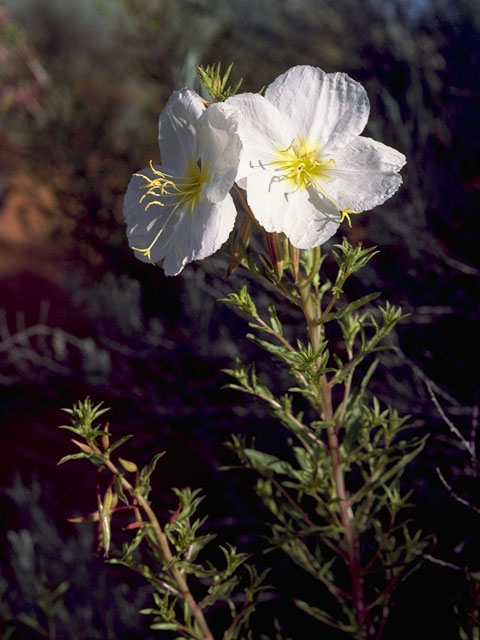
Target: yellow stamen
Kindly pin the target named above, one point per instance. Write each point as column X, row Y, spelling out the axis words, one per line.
column 175, row 191
column 301, row 164
column 346, row 213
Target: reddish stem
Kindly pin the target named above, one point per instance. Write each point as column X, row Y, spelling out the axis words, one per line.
column 351, row 537
column 346, row 517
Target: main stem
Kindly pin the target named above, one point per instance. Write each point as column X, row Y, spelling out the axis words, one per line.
column 346, row 517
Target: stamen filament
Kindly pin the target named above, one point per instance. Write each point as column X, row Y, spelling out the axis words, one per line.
column 184, row 191
column 346, row 213
column 302, row 166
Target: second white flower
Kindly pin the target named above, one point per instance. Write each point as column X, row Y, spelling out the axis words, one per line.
column 304, row 164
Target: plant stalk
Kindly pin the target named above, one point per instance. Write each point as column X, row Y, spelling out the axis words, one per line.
column 163, row 543
column 345, row 513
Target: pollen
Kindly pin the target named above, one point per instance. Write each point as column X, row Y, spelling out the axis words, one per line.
column 301, row 164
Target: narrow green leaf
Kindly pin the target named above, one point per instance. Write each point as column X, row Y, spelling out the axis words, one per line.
column 274, row 320
column 73, row 456
column 403, row 462
column 164, row 626
column 267, row 463
column 325, row 617
column 361, row 302
column 32, row 623
column 117, row 443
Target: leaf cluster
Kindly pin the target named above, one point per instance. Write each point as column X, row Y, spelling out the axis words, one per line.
column 166, row 555
column 347, row 435
column 216, row 83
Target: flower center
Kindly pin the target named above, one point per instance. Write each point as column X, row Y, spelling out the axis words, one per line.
column 174, row 192
column 186, row 190
column 301, row 164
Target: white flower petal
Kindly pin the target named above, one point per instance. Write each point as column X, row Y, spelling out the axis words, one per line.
column 177, row 128
column 267, row 199
column 306, row 217
column 144, row 225
column 199, row 234
column 366, row 174
column 329, row 107
column 261, row 129
column 220, row 151
column 176, row 235
column 316, row 220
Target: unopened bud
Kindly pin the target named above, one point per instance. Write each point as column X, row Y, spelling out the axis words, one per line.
column 275, row 252
column 294, row 259
column 109, row 501
column 84, row 447
column 106, row 437
column 128, row 465
column 241, row 242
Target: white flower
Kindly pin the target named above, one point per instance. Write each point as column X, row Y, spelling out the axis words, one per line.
column 182, row 211
column 304, row 164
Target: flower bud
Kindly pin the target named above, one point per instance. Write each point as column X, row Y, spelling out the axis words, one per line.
column 83, row 446
column 128, row 465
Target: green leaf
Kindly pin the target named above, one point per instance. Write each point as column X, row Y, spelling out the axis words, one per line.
column 164, row 626
column 119, row 490
column 116, row 444
column 353, row 416
column 233, row 558
column 353, row 428
column 406, row 458
column 129, row 548
column 353, row 306
column 276, row 350
column 60, row 590
column 68, row 427
column 73, row 456
column 32, row 623
column 267, row 463
column 242, row 300
column 150, row 468
column 215, row 84
column 274, row 321
column 325, row 617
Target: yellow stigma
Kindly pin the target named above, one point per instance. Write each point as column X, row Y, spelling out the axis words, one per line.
column 301, row 164
column 174, row 192
column 346, row 213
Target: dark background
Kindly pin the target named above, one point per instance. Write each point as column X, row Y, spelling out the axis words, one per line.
column 81, row 86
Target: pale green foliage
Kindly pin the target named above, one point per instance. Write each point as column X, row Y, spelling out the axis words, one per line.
column 167, row 556
column 335, row 498
column 216, row 83
column 367, row 444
